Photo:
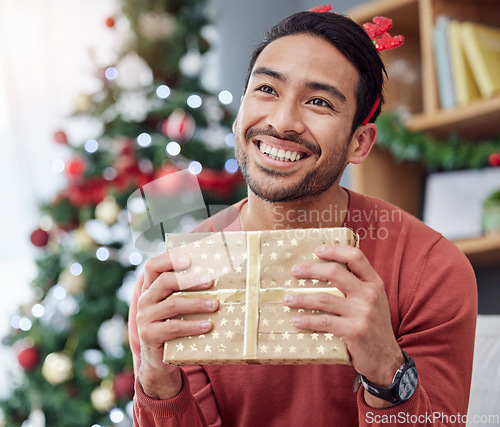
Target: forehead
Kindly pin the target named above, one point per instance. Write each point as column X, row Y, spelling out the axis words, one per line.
column 305, row 57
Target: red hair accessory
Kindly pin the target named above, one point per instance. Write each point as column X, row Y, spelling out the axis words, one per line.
column 379, row 27
column 372, row 111
column 321, row 9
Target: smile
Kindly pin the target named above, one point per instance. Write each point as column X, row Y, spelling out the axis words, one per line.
column 280, row 154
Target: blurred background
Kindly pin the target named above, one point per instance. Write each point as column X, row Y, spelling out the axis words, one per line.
column 98, row 98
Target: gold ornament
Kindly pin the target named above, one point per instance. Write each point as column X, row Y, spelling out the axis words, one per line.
column 103, row 398
column 57, row 368
column 82, row 239
column 83, row 103
column 107, row 211
column 73, row 284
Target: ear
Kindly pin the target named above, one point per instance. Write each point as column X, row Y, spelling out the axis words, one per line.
column 235, row 123
column 362, row 142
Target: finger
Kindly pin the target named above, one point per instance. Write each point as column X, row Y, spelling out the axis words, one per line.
column 163, row 263
column 157, row 333
column 355, row 260
column 166, row 283
column 332, row 272
column 176, row 306
column 321, row 323
column 328, row 303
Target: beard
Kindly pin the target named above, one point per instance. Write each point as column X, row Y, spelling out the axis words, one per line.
column 271, row 188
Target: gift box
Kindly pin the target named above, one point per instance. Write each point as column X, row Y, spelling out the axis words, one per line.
column 252, row 274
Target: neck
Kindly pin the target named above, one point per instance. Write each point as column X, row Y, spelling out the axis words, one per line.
column 321, row 211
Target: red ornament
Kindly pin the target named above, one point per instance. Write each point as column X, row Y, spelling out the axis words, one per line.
column 179, row 126
column 28, row 358
column 75, row 168
column 60, row 137
column 219, row 183
column 110, row 22
column 321, row 9
column 123, row 385
column 494, row 159
column 39, row 237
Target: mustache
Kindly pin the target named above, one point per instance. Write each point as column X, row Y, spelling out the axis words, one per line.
column 252, row 132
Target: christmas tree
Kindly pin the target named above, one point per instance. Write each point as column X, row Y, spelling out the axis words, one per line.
column 156, row 119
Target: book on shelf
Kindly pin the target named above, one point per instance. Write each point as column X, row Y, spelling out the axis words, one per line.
column 466, row 88
column 482, row 48
column 442, row 60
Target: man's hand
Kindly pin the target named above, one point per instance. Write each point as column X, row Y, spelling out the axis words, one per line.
column 155, row 307
column 361, row 319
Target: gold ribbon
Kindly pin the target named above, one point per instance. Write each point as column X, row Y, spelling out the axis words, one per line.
column 272, row 295
column 252, row 295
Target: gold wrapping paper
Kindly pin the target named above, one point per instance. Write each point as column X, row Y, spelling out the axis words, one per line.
column 252, row 272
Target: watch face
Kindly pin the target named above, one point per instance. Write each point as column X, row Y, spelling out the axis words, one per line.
column 408, row 383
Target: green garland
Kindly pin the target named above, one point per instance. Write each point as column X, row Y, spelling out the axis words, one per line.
column 434, row 154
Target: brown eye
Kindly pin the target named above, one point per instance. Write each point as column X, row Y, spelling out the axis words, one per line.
column 320, row 103
column 266, row 89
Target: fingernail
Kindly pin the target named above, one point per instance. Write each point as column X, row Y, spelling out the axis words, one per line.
column 295, row 269
column 205, row 324
column 320, row 249
column 289, row 299
column 205, row 279
column 210, row 303
column 182, row 261
column 296, row 320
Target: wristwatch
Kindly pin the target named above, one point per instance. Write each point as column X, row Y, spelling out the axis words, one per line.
column 403, row 384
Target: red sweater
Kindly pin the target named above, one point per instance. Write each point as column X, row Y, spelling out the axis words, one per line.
column 432, row 294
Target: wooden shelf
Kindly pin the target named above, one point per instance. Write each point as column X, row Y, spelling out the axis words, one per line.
column 481, row 251
column 477, row 120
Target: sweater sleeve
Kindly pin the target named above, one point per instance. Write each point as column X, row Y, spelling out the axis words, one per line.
column 195, row 405
column 437, row 329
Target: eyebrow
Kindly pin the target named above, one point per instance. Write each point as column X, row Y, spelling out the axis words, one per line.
column 324, row 87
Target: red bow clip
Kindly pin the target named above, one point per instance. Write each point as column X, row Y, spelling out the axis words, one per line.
column 388, row 42
column 321, row 9
column 379, row 27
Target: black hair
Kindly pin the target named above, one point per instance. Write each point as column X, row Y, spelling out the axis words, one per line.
column 351, row 40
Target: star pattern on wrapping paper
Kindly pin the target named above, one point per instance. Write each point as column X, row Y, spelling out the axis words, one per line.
column 278, row 336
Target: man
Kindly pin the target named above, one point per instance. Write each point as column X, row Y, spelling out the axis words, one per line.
column 308, row 108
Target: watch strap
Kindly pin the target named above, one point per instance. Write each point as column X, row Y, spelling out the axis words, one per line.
column 391, row 393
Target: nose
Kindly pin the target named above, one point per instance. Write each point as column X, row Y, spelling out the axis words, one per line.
column 285, row 117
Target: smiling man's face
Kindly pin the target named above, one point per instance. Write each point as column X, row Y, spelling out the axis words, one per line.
column 293, row 128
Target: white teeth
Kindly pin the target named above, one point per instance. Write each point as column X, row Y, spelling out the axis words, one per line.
column 279, row 154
